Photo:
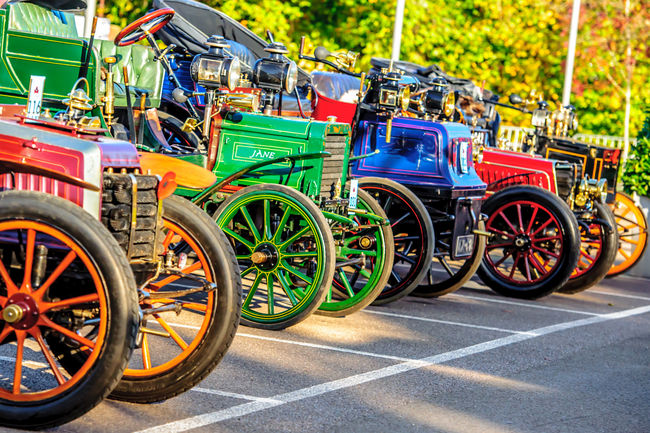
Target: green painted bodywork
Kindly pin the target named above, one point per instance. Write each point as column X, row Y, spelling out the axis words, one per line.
column 35, row 41
column 246, row 138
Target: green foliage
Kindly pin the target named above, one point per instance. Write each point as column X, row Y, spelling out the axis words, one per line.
column 510, row 46
column 637, row 167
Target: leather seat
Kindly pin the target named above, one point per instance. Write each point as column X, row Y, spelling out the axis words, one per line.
column 144, row 73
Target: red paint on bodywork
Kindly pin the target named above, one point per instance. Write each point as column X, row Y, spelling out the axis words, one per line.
column 503, row 168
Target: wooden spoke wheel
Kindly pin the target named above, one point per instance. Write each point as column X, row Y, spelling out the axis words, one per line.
column 65, row 285
column 632, row 233
column 534, row 245
column 285, row 250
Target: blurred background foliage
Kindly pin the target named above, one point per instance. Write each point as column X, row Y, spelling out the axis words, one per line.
column 510, row 46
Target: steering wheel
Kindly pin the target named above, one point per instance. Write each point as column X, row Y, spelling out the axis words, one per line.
column 143, row 26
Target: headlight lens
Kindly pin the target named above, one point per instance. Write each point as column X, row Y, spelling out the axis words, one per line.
column 450, row 104
column 602, row 190
column 405, row 98
column 291, row 79
column 234, row 74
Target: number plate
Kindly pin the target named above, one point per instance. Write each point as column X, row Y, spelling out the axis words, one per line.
column 463, row 157
column 36, row 83
column 354, row 193
column 464, row 245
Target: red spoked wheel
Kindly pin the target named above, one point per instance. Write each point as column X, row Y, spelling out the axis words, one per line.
column 599, row 244
column 534, row 244
column 143, row 26
column 64, row 282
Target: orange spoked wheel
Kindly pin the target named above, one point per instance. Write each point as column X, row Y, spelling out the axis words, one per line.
column 64, row 283
column 190, row 310
column 632, row 233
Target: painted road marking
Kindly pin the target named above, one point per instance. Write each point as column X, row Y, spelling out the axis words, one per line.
column 445, row 322
column 522, row 304
column 233, row 395
column 357, row 379
column 620, row 295
column 312, row 345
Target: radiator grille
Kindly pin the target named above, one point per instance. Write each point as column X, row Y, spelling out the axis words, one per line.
column 565, row 176
column 117, row 201
column 333, row 165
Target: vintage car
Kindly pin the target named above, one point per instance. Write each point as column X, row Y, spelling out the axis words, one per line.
column 455, row 187
column 181, row 261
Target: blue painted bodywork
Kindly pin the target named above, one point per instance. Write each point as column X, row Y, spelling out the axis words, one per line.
column 420, row 153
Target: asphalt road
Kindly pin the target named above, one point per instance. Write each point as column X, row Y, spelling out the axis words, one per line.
column 467, row 362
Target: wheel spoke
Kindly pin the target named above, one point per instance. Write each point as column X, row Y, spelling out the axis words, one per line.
column 36, row 333
column 283, row 222
column 389, row 202
column 5, row 333
column 548, row 238
column 503, row 259
column 239, row 238
column 397, row 278
column 18, row 368
column 270, row 295
column 146, row 354
column 503, row 216
column 168, row 239
column 532, row 219
column 251, row 224
column 252, row 290
column 502, row 233
column 542, row 227
column 293, row 238
column 11, row 287
column 44, row 321
column 300, row 254
column 67, row 260
column 527, row 267
column 296, row 272
column 47, row 306
column 177, row 338
column 501, row 245
column 29, row 258
column 624, row 253
column 547, row 252
column 514, row 265
column 346, row 283
column 286, row 288
column 354, row 252
column 246, row 271
column 405, row 258
column 267, row 220
column 536, row 264
column 521, row 221
column 400, row 219
column 445, row 265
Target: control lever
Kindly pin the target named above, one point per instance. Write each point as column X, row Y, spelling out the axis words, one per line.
column 321, row 53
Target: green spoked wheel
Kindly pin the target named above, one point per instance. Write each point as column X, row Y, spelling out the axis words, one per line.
column 364, row 260
column 285, row 251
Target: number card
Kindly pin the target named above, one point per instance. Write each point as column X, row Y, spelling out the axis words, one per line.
column 354, row 193
column 36, row 83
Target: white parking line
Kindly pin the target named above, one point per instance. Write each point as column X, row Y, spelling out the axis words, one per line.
column 620, row 295
column 234, row 395
column 312, row 345
column 445, row 322
column 521, row 304
column 316, row 390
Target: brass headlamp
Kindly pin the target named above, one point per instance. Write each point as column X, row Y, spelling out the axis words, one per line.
column 215, row 68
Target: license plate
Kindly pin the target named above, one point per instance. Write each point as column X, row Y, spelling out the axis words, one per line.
column 354, row 193
column 36, row 83
column 463, row 157
column 464, row 245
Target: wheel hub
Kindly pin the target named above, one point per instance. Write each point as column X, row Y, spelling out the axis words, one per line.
column 265, row 256
column 366, row 242
column 522, row 242
column 21, row 311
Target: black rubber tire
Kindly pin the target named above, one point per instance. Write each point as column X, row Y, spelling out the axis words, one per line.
column 381, row 189
column 431, row 289
column 603, row 263
column 568, row 229
column 329, row 251
column 367, row 202
column 225, row 312
column 121, row 309
column 172, row 129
